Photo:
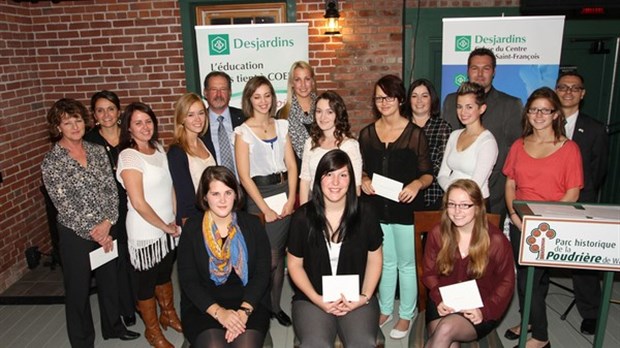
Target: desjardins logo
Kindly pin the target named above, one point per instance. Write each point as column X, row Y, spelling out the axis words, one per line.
column 462, row 43
column 459, row 79
column 219, row 45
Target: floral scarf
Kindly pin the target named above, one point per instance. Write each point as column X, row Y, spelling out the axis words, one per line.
column 226, row 255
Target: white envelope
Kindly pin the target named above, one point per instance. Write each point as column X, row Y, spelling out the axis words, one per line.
column 460, row 296
column 277, row 202
column 99, row 257
column 336, row 285
column 386, row 187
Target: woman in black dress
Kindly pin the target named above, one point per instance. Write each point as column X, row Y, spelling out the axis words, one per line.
column 106, row 109
column 224, row 268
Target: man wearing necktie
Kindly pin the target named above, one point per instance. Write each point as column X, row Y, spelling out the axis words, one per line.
column 591, row 137
column 222, row 118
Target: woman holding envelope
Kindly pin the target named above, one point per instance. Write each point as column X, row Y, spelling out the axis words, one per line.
column 223, row 268
column 78, row 178
column 463, row 247
column 335, row 235
column 395, row 151
column 267, row 170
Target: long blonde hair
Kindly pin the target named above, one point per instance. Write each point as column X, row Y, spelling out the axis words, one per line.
column 300, row 64
column 480, row 241
column 181, row 109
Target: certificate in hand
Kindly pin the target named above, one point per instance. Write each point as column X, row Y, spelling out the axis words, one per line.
column 461, row 296
column 99, row 257
column 386, row 187
column 335, row 286
column 276, row 202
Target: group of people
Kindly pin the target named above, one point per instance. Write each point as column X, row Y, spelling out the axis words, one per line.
column 240, row 190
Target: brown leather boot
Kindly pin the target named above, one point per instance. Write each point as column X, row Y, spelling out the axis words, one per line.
column 168, row 316
column 152, row 332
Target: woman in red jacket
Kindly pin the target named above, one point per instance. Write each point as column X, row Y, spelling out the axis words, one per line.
column 466, row 247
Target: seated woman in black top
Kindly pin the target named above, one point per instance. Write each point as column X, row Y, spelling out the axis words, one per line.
column 223, row 263
column 334, row 234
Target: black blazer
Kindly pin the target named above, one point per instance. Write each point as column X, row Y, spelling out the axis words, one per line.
column 197, row 288
column 237, row 118
column 591, row 136
column 178, row 164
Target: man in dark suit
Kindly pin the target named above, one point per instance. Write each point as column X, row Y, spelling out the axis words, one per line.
column 591, row 136
column 222, row 118
column 502, row 118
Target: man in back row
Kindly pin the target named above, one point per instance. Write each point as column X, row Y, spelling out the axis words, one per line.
column 591, row 137
column 222, row 118
column 502, row 118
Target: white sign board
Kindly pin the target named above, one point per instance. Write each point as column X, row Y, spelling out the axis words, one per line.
column 244, row 51
column 527, row 49
column 570, row 243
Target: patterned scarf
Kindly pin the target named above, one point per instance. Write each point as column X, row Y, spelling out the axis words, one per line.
column 223, row 257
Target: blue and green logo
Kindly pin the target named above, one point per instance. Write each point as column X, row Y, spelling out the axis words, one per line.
column 462, row 43
column 219, row 45
column 459, row 79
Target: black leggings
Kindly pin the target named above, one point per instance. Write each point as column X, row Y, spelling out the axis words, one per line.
column 214, row 338
column 157, row 275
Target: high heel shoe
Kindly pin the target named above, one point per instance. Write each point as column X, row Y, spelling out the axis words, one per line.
column 511, row 335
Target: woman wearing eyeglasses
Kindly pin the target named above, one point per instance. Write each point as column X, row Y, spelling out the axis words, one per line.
column 463, row 247
column 471, row 152
column 395, row 148
column 543, row 165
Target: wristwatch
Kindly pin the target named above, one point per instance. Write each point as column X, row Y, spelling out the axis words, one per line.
column 246, row 310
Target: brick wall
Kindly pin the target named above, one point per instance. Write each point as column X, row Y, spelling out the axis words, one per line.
column 75, row 48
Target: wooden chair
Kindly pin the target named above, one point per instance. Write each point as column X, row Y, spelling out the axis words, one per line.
column 424, row 221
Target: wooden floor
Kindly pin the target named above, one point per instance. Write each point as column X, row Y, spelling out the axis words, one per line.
column 44, row 325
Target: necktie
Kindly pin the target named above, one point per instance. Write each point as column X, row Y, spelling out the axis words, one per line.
column 226, row 156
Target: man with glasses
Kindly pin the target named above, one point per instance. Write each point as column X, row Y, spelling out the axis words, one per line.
column 502, row 118
column 222, row 118
column 591, row 137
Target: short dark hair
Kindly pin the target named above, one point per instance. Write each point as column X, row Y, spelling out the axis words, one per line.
column 110, row 96
column 571, row 73
column 217, row 73
column 223, row 175
column 126, row 140
column 392, row 86
column 66, row 108
column 472, row 88
column 482, row 51
column 435, row 109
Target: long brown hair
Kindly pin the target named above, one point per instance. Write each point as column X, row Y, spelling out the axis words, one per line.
column 341, row 123
column 557, row 124
column 480, row 241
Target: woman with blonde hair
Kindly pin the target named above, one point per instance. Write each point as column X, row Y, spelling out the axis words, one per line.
column 299, row 107
column 463, row 247
column 266, row 168
column 188, row 156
